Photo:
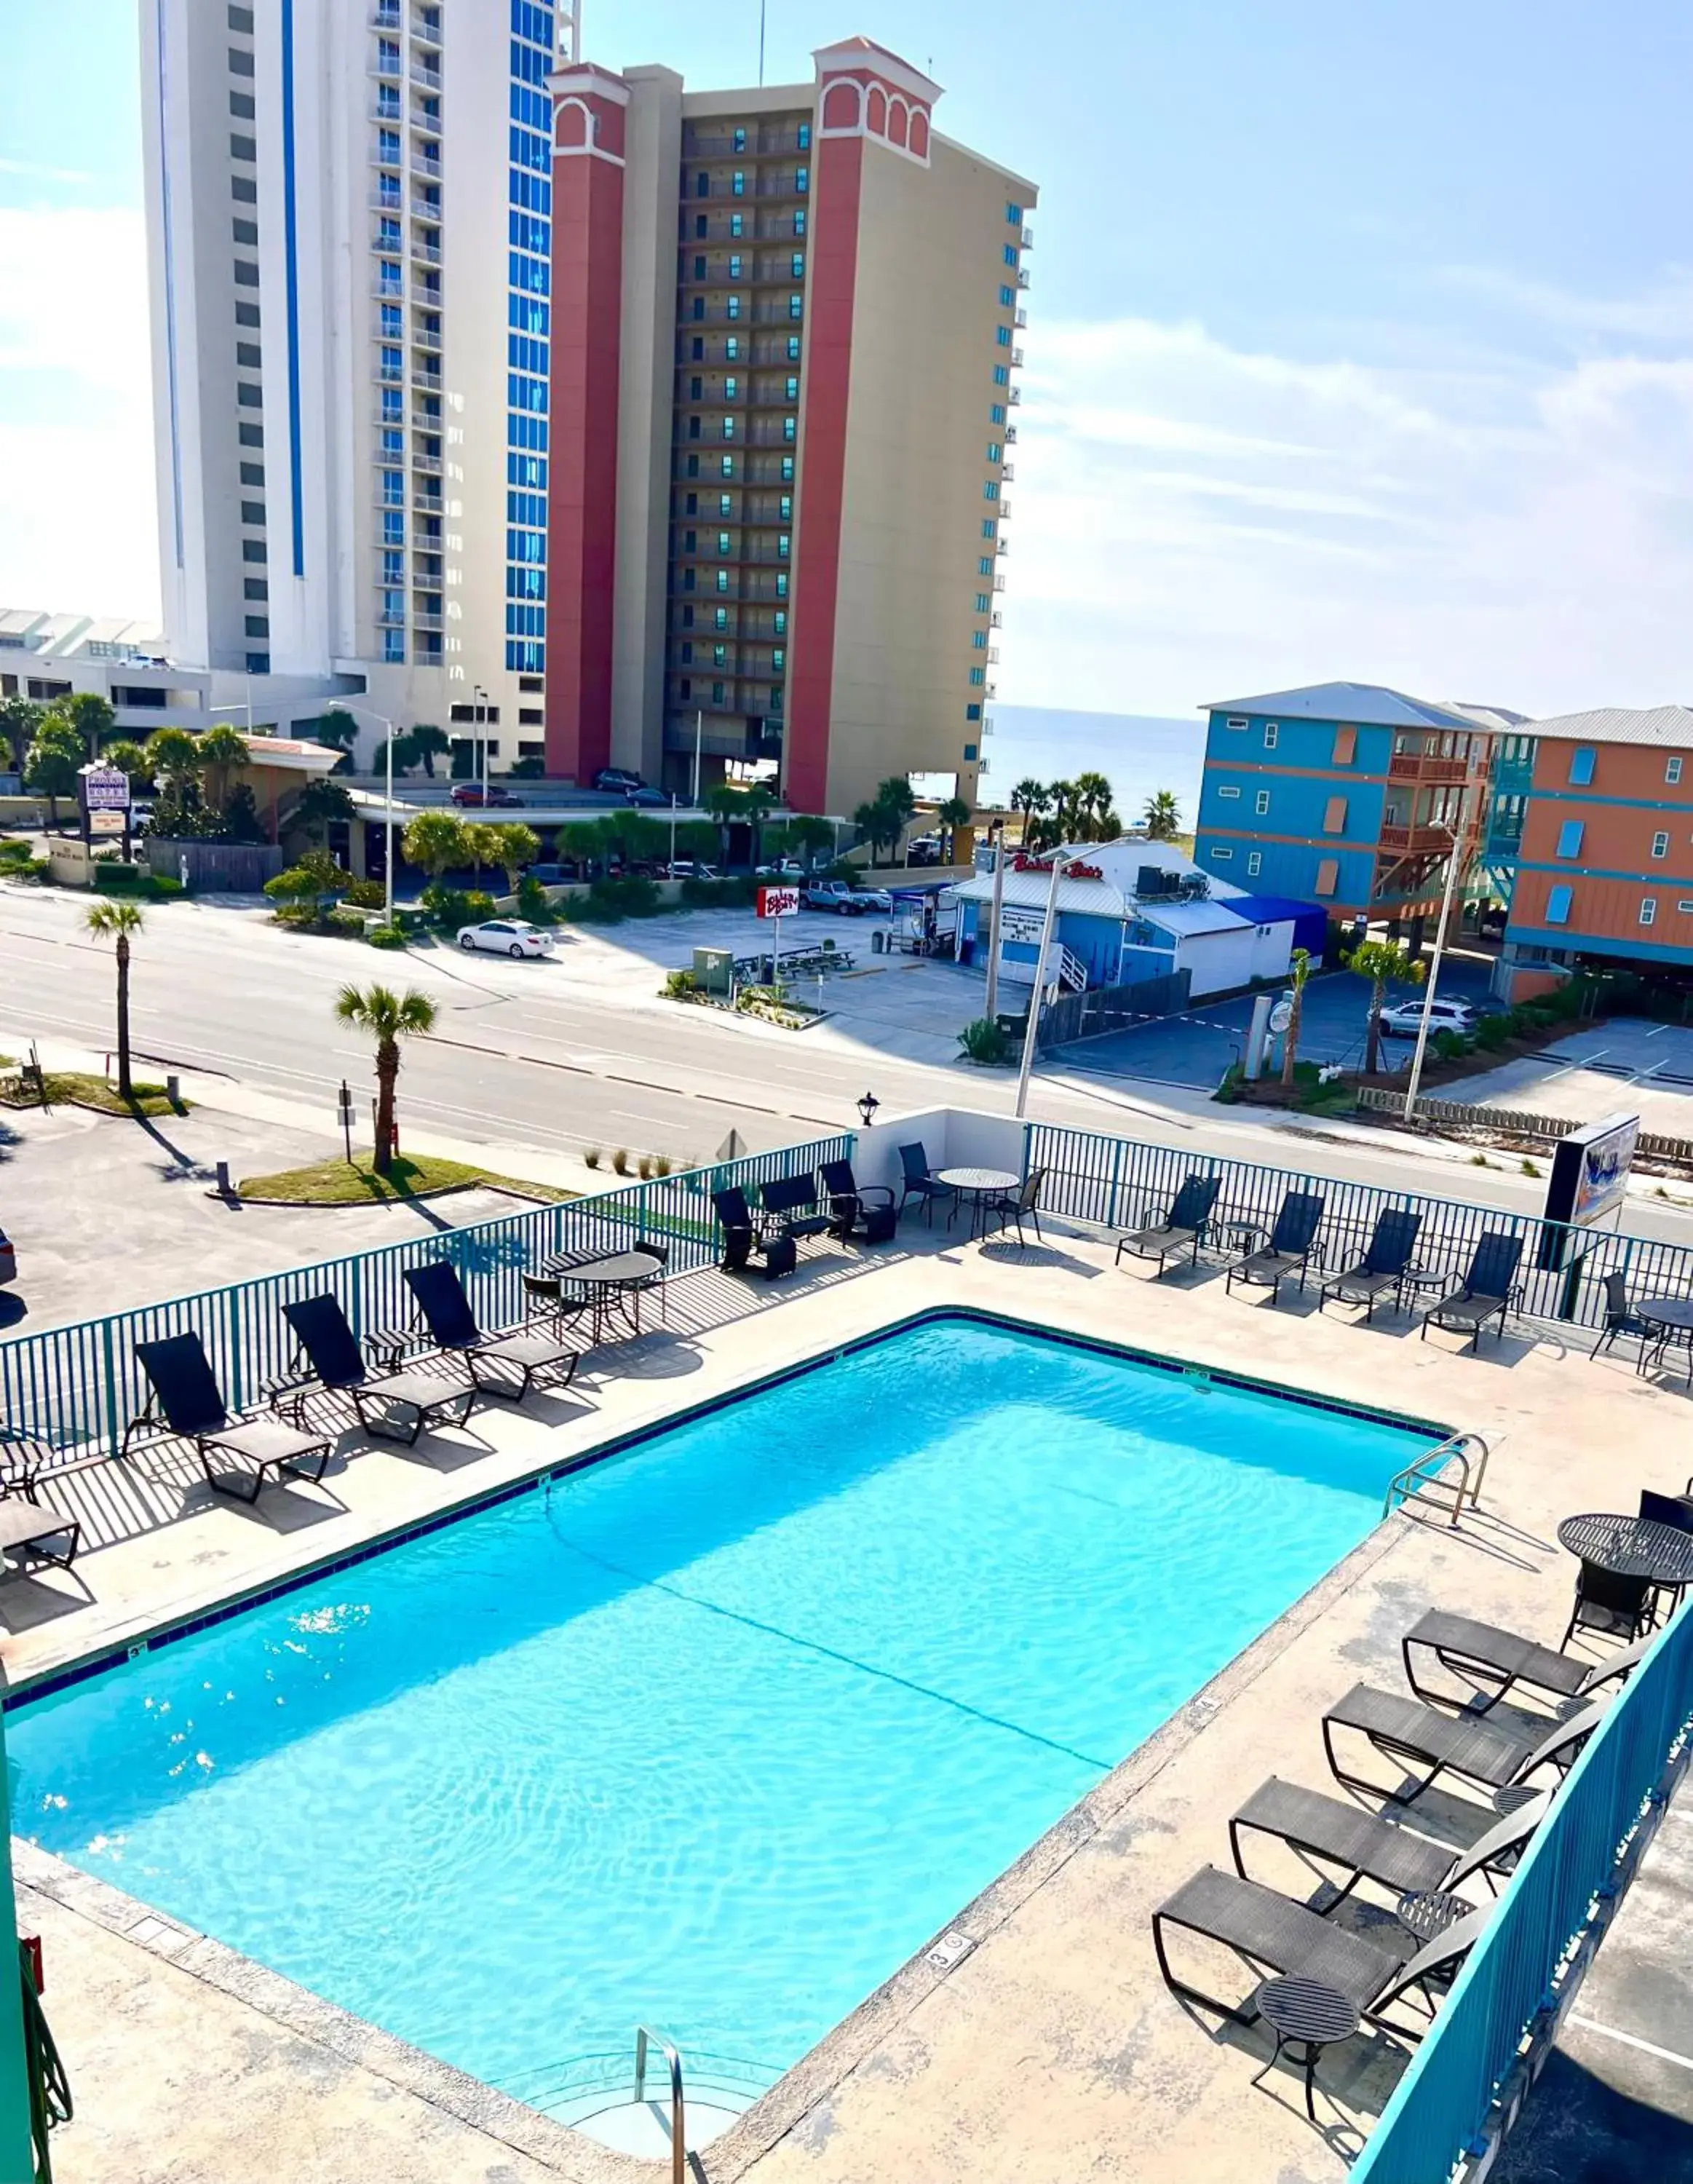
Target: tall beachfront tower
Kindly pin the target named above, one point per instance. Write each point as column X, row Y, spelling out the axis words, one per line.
column 783, row 402
column 349, row 242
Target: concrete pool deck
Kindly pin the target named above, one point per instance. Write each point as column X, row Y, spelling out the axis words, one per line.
column 1046, row 2049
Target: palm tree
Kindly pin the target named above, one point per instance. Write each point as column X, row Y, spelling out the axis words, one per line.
column 19, row 718
column 119, row 922
column 429, row 742
column 1380, row 962
column 388, row 1017
column 223, row 755
column 1031, row 797
column 174, row 753
column 1093, row 804
column 757, row 803
column 519, row 846
column 953, row 814
column 1162, row 815
column 1065, row 808
column 482, row 842
column 130, row 757
column 1298, row 970
column 435, row 842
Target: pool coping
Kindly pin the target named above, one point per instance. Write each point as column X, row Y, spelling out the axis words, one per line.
column 813, row 2076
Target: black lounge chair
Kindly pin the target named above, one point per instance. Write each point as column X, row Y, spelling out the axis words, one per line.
column 1288, row 1250
column 1479, row 1750
column 339, row 1367
column 1381, row 1269
column 452, row 1326
column 1013, row 1206
column 853, row 1204
column 1487, row 1290
column 1182, row 1230
column 1330, row 1829
column 918, row 1183
column 1275, row 1934
column 1498, row 1660
column 791, row 1208
column 185, row 1391
column 34, row 1532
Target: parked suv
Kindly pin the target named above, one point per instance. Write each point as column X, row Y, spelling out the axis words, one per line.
column 617, row 780
column 1404, row 1019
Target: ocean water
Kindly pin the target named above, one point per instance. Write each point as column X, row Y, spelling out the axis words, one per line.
column 713, row 1735
column 1136, row 753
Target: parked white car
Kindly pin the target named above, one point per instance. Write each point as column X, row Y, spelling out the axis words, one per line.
column 1404, row 1019
column 506, row 936
column 690, row 868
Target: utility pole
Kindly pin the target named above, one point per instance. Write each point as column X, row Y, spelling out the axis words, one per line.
column 1060, row 859
column 698, row 737
column 480, row 697
column 1457, row 837
column 997, row 835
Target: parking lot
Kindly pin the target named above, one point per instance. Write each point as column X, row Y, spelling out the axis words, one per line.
column 1195, row 1048
column 1624, row 1064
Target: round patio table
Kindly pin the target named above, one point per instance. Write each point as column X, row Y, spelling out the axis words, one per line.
column 617, row 1279
column 1427, row 1911
column 977, row 1184
column 1670, row 1319
column 1631, row 1547
column 1304, row 2012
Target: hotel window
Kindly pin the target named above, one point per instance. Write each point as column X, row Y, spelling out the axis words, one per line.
column 701, row 227
column 737, row 226
column 722, row 580
column 1255, row 863
column 1557, row 906
column 1660, row 845
column 984, row 602
column 1228, row 795
column 716, row 694
column 738, row 187
column 796, row 307
column 796, row 265
column 804, row 140
column 995, row 452
column 740, row 142
column 734, row 266
column 1002, row 378
column 1007, row 299
column 978, row 637
column 799, row 222
column 779, row 621
column 788, row 470
column 1581, row 764
column 731, row 387
column 979, row 676
column 686, row 653
column 1328, row 876
column 723, row 544
column 990, row 490
column 1346, row 746
column 732, row 348
column 789, row 427
column 802, row 181
column 732, row 309
column 1648, row 909
column 1261, row 802
column 987, row 526
column 1569, row 838
column 1222, row 856
column 728, row 466
column 699, row 269
column 783, row 544
column 1237, row 721
column 778, row 659
column 996, row 413
column 728, row 428
column 1002, row 335
column 726, row 504
column 720, row 618
column 720, row 655
column 1273, row 735
column 1672, row 771
column 784, row 507
column 792, row 389
column 696, row 388
column 793, row 349
column 984, row 566
column 1334, row 816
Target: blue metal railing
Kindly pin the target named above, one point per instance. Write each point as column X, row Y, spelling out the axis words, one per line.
column 1119, row 1183
column 1511, row 1984
column 76, row 1387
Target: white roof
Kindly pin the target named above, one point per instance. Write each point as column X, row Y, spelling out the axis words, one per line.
column 1622, row 724
column 1028, row 891
column 1187, row 920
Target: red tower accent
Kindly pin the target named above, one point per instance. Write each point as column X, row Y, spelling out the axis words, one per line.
column 588, row 105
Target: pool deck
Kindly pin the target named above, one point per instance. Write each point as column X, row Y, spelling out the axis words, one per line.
column 1048, row 2048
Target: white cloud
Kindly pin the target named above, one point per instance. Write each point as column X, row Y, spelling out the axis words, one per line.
column 1194, row 520
column 75, row 413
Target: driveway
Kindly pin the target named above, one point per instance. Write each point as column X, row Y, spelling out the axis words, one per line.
column 1195, row 1048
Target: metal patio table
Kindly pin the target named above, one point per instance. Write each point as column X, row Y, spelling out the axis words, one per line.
column 1630, row 1546
column 613, row 1284
column 1304, row 2012
column 977, row 1184
column 1671, row 1320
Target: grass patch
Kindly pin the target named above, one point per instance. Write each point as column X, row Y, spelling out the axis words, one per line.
column 74, row 1088
column 339, row 1182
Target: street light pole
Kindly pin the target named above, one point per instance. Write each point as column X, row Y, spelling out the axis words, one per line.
column 698, row 737
column 997, row 835
column 480, row 697
column 365, row 713
column 1060, row 859
column 1456, row 836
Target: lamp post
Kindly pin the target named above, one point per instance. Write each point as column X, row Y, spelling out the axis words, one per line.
column 996, row 836
column 867, row 1107
column 366, row 714
column 481, row 704
column 1060, row 859
column 1455, row 835
column 698, row 738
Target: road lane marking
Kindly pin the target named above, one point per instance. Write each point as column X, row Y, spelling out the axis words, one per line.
column 1631, row 2040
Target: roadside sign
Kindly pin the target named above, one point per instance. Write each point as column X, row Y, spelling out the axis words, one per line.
column 779, row 901
column 1281, row 1017
column 103, row 789
column 103, row 822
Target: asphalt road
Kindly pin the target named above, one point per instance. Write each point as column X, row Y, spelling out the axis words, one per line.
column 518, row 1058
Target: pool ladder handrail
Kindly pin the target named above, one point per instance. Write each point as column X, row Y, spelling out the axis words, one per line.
column 678, row 2121
column 1419, row 1475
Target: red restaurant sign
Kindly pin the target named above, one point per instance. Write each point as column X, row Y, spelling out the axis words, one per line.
column 1022, row 863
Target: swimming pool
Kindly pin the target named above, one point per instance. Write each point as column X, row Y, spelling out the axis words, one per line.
column 716, row 1733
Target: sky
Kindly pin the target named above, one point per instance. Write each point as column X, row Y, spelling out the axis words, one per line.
column 1361, row 339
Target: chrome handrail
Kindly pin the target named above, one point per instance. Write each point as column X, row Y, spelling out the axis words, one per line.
column 678, row 2149
column 1416, row 1475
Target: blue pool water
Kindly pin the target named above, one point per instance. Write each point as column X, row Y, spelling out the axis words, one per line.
column 714, row 1735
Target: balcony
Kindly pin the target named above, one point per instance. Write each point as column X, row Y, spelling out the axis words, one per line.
column 390, row 419
column 1000, row 584
column 422, row 249
column 995, row 620
column 426, row 421
column 379, row 158
column 1005, row 511
column 426, row 75
column 426, row 31
column 385, row 290
column 384, row 70
column 992, row 656
column 1432, row 771
column 1028, row 238
column 1023, row 276
column 1007, row 472
column 385, row 15
column 426, row 125
column 430, row 465
column 386, row 112
column 428, row 382
column 1016, row 358
column 389, row 374
column 421, row 338
column 426, row 499
column 1022, row 319
column 386, row 620
column 1014, row 394
column 423, row 620
column 1010, row 436
column 1424, row 836
column 425, row 170
column 388, row 201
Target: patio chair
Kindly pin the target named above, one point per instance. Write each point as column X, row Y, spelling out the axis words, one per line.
column 1487, row 1290
column 1182, row 1230
column 1676, row 1511
column 1615, row 1606
column 918, row 1183
column 1275, row 1934
column 1499, row 1660
column 739, row 1225
column 790, row 1203
column 1386, row 1257
column 1483, row 1752
column 1288, row 1250
column 30, row 1530
column 659, row 1256
column 185, row 1389
column 23, row 1458
column 1371, row 1849
column 1012, row 1206
column 1621, row 1317
column 337, row 1363
column 453, row 1326
column 852, row 1203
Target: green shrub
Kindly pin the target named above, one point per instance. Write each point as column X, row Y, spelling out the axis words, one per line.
column 592, row 1157
column 365, row 895
column 532, row 900
column 385, row 936
column 14, row 852
column 628, row 898
column 984, row 1041
column 1492, row 1032
column 1450, row 1046
column 448, row 908
column 527, row 769
column 150, row 887
column 347, row 922
column 620, row 1161
column 662, row 1164
column 678, row 985
column 1228, row 1093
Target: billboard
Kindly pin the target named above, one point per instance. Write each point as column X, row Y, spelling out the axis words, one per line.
column 1590, row 1179
column 779, row 901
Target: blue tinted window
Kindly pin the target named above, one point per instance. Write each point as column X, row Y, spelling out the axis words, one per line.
column 1557, row 906
column 1582, row 760
column 1569, row 838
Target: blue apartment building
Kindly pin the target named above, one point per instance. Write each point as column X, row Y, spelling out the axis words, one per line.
column 1346, row 794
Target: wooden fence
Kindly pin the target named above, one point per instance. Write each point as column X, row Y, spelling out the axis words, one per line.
column 1457, row 1115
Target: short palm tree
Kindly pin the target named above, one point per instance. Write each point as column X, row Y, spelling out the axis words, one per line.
column 1162, row 815
column 388, row 1017
column 1094, row 802
column 953, row 814
column 119, row 922
column 1298, row 970
column 1380, row 962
